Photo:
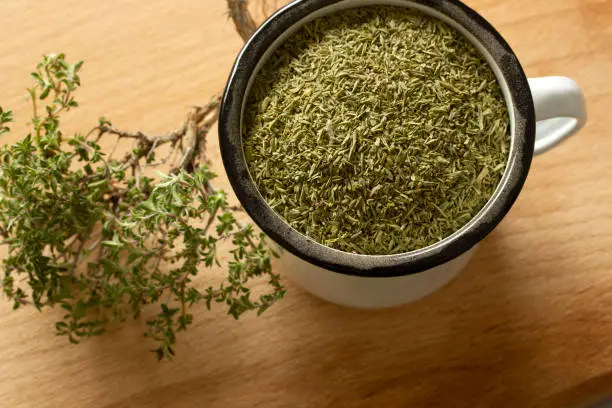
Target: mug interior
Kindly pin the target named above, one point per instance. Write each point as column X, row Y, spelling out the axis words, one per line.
column 494, row 50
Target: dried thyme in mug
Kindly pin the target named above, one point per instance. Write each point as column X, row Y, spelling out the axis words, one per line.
column 376, row 130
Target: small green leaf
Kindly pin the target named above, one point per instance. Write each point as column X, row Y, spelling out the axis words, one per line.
column 97, row 183
column 61, row 327
column 79, row 310
column 45, row 92
column 115, row 244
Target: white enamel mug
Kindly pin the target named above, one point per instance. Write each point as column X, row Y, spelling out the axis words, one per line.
column 543, row 112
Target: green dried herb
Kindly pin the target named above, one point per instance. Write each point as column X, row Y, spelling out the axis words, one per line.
column 376, row 130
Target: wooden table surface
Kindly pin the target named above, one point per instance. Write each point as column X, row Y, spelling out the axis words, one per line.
column 528, row 323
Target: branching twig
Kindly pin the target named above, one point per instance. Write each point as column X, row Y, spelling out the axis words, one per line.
column 77, row 255
column 239, row 12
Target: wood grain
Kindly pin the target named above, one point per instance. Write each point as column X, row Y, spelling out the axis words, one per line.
column 527, row 324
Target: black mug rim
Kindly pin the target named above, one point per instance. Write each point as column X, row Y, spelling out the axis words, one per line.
column 520, row 156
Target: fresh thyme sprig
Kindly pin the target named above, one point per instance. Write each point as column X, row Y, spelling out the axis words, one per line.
column 102, row 239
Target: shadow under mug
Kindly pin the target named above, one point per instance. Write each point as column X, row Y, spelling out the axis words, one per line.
column 543, row 112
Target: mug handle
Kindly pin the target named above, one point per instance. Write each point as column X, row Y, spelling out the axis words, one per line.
column 560, row 110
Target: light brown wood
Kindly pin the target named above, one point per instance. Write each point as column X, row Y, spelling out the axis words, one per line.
column 528, row 323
